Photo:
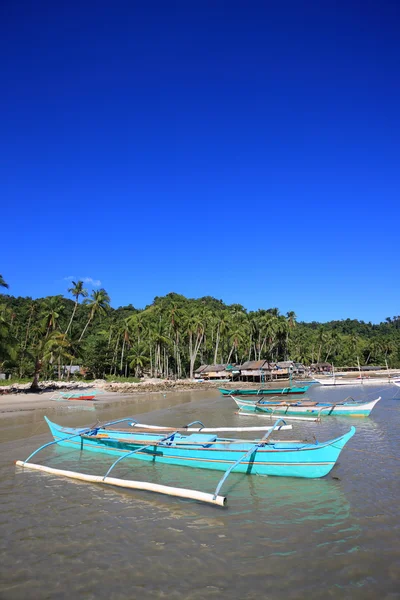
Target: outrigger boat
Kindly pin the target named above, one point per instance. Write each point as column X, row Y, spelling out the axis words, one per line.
column 348, row 407
column 265, row 391
column 335, row 381
column 82, row 395
column 195, row 447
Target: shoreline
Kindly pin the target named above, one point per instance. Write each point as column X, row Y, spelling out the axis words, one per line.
column 22, row 400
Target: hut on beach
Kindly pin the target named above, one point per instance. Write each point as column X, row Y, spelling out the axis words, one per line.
column 212, row 372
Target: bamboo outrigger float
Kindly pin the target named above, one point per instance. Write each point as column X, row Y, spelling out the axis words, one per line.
column 199, row 449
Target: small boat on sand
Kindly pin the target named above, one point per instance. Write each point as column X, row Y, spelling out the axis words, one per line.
column 82, row 395
column 348, row 407
column 265, row 391
column 200, row 448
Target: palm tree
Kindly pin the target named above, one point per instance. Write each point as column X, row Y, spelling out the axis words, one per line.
column 222, row 329
column 31, row 310
column 237, row 338
column 51, row 312
column 3, row 283
column 291, row 318
column 125, row 342
column 98, row 303
column 8, row 346
column 195, row 332
column 138, row 358
column 175, row 318
column 77, row 290
column 268, row 324
column 56, row 345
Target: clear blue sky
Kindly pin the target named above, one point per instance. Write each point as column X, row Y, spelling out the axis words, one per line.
column 245, row 150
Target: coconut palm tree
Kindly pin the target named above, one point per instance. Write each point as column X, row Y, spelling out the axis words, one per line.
column 223, row 327
column 77, row 290
column 8, row 343
column 291, row 318
column 52, row 310
column 195, row 332
column 138, row 358
column 98, row 304
column 49, row 348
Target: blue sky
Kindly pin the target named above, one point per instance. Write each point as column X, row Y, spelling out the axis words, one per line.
column 247, row 151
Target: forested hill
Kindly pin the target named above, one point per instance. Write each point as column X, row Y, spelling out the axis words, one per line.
column 174, row 335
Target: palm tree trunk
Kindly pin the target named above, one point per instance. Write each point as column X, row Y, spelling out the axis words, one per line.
column 319, row 352
column 72, row 318
column 35, row 383
column 86, row 326
column 151, row 361
column 122, row 355
column 115, row 356
column 216, row 347
column 230, row 353
column 194, row 352
column 27, row 331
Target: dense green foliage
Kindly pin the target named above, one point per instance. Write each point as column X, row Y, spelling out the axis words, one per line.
column 172, row 336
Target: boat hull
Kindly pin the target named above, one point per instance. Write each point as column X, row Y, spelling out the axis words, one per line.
column 354, row 382
column 276, row 458
column 265, row 392
column 318, row 409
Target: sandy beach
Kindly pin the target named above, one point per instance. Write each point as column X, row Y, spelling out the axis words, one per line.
column 22, row 400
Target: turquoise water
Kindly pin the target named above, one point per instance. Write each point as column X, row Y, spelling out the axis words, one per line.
column 336, row 537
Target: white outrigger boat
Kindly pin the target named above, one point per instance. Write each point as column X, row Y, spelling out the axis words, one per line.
column 335, row 381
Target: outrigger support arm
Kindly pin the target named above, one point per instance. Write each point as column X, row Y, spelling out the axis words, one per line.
column 138, row 450
column 253, row 449
column 83, row 432
column 131, row 419
column 194, row 423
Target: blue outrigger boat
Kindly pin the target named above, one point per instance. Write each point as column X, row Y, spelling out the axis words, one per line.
column 348, row 407
column 200, row 450
column 265, row 391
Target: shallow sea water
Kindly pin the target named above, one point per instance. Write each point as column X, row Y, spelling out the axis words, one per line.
column 337, row 537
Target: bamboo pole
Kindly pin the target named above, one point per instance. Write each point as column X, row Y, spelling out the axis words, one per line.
column 247, row 414
column 134, row 485
column 203, row 429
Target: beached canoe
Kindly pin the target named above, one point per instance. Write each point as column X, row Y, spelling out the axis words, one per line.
column 265, row 391
column 348, row 407
column 82, row 395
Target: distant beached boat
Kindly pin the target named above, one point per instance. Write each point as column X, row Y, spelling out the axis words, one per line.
column 264, row 391
column 335, row 381
column 349, row 408
column 82, row 395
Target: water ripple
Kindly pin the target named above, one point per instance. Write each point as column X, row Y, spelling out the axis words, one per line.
column 278, row 538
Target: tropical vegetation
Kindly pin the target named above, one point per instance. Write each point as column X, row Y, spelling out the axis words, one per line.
column 42, row 338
